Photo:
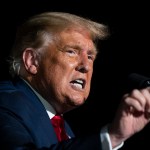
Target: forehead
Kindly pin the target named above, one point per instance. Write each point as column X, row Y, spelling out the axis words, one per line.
column 77, row 37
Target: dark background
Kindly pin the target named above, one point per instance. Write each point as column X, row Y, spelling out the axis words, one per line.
column 126, row 51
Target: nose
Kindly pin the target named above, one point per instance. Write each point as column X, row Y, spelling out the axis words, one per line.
column 83, row 65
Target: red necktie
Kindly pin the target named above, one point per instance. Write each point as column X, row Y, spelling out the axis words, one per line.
column 58, row 124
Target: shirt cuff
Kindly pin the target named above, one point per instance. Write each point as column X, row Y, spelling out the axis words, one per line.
column 105, row 140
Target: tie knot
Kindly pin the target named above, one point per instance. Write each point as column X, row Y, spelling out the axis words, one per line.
column 57, row 120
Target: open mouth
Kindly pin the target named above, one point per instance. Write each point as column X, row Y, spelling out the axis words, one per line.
column 78, row 83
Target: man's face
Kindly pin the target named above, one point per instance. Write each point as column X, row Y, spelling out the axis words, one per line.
column 66, row 70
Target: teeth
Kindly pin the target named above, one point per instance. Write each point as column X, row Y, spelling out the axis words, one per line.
column 77, row 85
column 79, row 81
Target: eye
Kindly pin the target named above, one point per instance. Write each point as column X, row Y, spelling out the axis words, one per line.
column 71, row 52
column 91, row 57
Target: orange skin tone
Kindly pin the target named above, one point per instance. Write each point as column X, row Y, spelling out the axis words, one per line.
column 64, row 72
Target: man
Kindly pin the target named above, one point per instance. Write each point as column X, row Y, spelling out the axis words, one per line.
column 52, row 65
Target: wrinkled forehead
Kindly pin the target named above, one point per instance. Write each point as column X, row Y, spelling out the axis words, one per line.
column 79, row 29
column 76, row 36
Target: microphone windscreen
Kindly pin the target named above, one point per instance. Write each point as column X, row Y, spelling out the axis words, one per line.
column 138, row 81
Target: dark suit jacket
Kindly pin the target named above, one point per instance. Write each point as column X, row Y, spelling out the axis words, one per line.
column 25, row 125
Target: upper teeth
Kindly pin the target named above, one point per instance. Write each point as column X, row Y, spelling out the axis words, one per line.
column 80, row 81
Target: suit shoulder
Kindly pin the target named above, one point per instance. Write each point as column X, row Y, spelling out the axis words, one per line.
column 6, row 86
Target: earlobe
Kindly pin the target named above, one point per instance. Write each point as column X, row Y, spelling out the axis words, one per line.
column 30, row 60
column 33, row 69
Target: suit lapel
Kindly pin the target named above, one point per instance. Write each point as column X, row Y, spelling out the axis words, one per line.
column 42, row 125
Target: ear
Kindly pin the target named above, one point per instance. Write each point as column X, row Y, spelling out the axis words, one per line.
column 30, row 60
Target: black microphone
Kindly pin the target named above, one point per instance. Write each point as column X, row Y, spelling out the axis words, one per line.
column 138, row 81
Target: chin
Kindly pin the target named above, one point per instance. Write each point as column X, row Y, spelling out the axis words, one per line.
column 79, row 102
column 75, row 102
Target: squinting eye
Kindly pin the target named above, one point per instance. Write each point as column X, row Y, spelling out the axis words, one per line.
column 91, row 57
column 71, row 52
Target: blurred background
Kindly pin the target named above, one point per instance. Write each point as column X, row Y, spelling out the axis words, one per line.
column 126, row 51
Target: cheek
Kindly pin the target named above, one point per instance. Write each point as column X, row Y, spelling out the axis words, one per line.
column 90, row 73
column 64, row 67
column 57, row 73
column 89, row 77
